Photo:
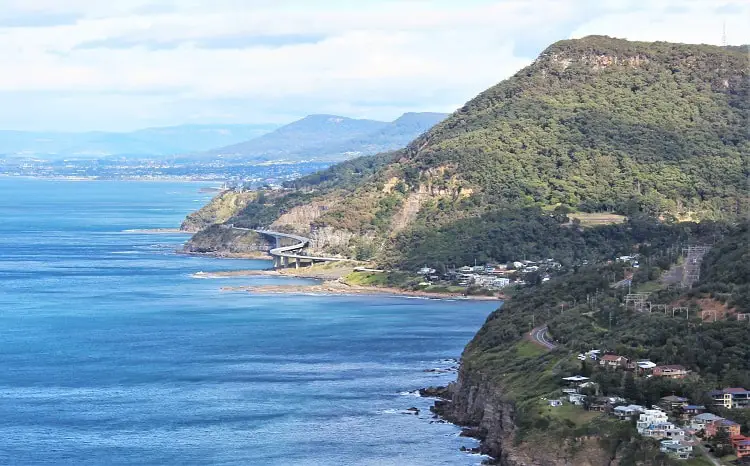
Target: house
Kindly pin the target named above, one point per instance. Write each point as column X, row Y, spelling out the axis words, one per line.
column 741, row 445
column 627, row 412
column 645, row 365
column 700, row 421
column 576, row 398
column 600, row 406
column 650, row 417
column 672, row 403
column 731, row 398
column 730, row 427
column 555, row 403
column 500, row 282
column 689, row 411
column 671, row 372
column 676, row 449
column 613, row 361
column 721, row 424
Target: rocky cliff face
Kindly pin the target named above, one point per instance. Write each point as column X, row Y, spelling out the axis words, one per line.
column 481, row 406
column 219, row 210
column 226, row 242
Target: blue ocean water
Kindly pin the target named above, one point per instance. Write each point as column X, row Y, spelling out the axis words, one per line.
column 112, row 353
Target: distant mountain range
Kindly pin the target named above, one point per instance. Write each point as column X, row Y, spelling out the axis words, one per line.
column 316, row 137
column 163, row 141
column 331, row 137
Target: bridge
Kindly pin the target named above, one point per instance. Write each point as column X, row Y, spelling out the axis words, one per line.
column 283, row 255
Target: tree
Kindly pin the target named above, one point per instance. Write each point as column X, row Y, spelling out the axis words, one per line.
column 630, row 389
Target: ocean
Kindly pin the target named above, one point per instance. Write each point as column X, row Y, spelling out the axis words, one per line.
column 113, row 353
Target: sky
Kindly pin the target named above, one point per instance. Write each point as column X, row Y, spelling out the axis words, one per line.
column 75, row 65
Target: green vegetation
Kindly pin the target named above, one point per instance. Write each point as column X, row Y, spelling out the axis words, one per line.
column 583, row 312
column 726, row 270
column 594, row 126
column 516, row 233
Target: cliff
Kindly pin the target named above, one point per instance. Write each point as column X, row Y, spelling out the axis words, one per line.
column 221, row 208
column 226, row 242
column 483, row 407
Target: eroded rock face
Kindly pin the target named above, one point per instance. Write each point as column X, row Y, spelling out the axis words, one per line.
column 475, row 403
column 221, row 208
column 221, row 241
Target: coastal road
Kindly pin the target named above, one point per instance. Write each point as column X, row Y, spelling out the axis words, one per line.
column 291, row 252
column 539, row 335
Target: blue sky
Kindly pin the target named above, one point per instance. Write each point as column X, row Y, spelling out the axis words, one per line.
column 118, row 65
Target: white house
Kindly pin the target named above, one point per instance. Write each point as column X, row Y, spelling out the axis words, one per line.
column 649, row 418
column 676, row 449
column 624, row 412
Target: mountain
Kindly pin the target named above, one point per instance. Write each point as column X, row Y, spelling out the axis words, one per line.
column 161, row 141
column 593, row 125
column 331, row 137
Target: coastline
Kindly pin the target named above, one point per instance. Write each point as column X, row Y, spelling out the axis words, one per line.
column 257, row 255
column 329, row 286
column 157, row 231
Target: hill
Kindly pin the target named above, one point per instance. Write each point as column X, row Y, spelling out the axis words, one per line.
column 593, row 125
column 504, row 378
column 331, row 137
column 161, row 141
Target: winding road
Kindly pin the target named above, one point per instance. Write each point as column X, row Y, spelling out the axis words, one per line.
column 292, row 251
column 539, row 335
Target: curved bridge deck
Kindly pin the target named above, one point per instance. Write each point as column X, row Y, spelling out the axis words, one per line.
column 283, row 254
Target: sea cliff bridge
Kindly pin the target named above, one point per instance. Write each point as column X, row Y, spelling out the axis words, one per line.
column 289, row 249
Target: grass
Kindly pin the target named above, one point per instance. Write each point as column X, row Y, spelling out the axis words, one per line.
column 649, row 287
column 382, row 279
column 575, row 414
column 527, row 349
column 697, row 461
column 596, row 219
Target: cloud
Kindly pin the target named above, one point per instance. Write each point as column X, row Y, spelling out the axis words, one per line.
column 88, row 64
column 38, row 20
column 234, row 41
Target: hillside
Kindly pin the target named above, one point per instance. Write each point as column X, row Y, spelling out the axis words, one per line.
column 331, row 137
column 504, row 378
column 162, row 141
column 593, row 125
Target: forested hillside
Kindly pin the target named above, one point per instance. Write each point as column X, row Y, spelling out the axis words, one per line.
column 593, row 125
column 503, row 377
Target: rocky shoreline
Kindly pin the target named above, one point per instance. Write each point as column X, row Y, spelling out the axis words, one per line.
column 339, row 287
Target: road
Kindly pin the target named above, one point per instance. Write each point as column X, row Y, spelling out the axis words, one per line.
column 288, row 251
column 539, row 335
column 708, row 455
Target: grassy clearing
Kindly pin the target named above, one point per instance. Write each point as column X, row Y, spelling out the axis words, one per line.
column 527, row 349
column 597, row 219
column 383, row 279
column 567, row 412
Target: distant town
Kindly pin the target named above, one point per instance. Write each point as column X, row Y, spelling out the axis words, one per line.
column 249, row 174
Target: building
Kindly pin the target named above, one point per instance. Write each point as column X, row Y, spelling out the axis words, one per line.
column 613, row 361
column 672, row 403
column 576, row 398
column 700, row 421
column 689, row 411
column 730, row 427
column 731, row 398
column 649, row 418
column 741, row 445
column 627, row 412
column 671, row 372
column 676, row 449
